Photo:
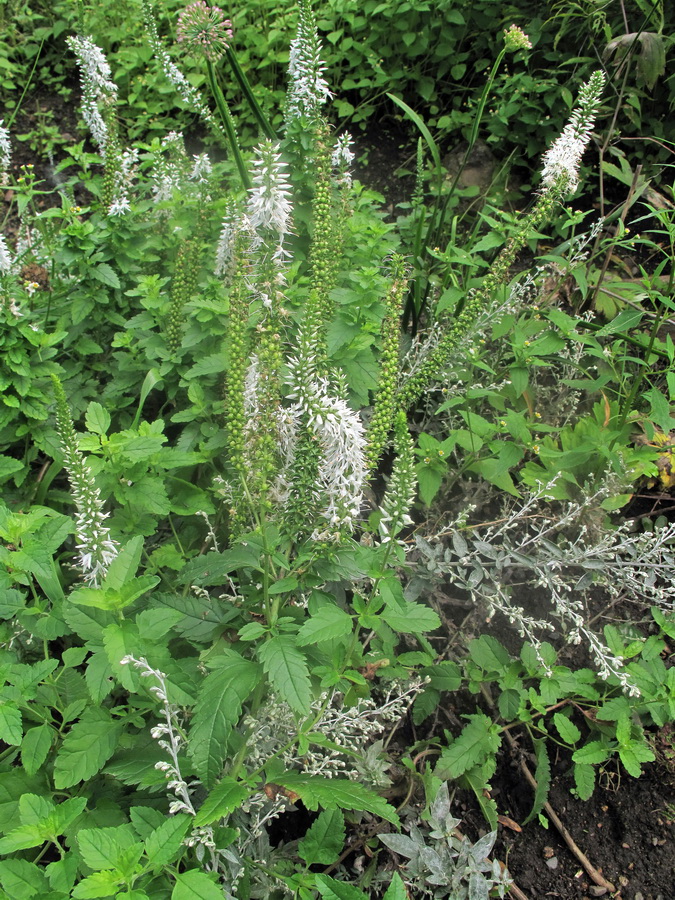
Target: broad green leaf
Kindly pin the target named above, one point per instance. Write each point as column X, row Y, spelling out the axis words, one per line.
column 62, row 873
column 163, row 845
column 11, row 729
column 97, row 418
column 396, row 889
column 225, row 797
column 584, row 779
column 153, row 624
column 64, row 814
column 410, row 618
column 120, row 641
column 478, row 740
column 86, row 748
column 99, row 676
column 332, row 889
column 35, row 747
column 489, row 654
column 100, row 884
column 592, row 753
column 632, row 755
column 542, row 776
column 287, row 670
column 22, row 879
column 327, row 623
column 104, row 848
column 106, row 275
column 218, row 708
column 34, row 809
column 9, row 466
column 324, row 840
column 567, row 730
column 23, row 838
column 125, row 564
column 333, row 793
column 145, row 820
column 196, row 885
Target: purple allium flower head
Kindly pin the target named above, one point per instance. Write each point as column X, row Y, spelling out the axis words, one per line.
column 204, row 29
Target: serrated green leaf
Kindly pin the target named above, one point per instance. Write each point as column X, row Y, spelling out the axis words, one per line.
column 195, row 885
column 125, row 565
column 86, row 748
column 34, row 809
column 584, row 779
column 567, row 730
column 35, row 746
column 23, row 838
column 218, row 708
column 97, row 418
column 287, row 670
column 223, row 799
column 164, row 843
column 100, row 884
column 106, row 275
column 324, row 840
column 591, row 754
column 99, row 676
column 11, row 727
column 332, row 793
column 410, row 618
column 632, row 755
column 489, row 654
column 478, row 740
column 21, row 879
column 327, row 623
column 104, row 848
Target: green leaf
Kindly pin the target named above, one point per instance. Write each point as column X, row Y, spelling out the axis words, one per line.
column 324, row 840
column 584, row 779
column 542, row 776
column 105, row 848
column 567, row 730
column 100, row 884
column 632, row 755
column 477, row 741
column 331, row 793
column 164, row 843
column 223, row 799
column 106, row 275
column 331, row 889
column 23, row 838
column 196, row 885
column 86, row 748
column 410, row 618
column 34, row 809
column 396, row 889
column 22, row 879
column 99, row 676
column 97, row 418
column 218, row 708
column 125, row 565
column 35, row 746
column 489, row 654
column 11, row 728
column 592, row 753
column 287, row 670
column 329, row 622
column 9, row 466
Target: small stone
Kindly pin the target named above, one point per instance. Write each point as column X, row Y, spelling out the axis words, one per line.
column 639, row 896
column 596, row 890
column 626, row 846
column 548, row 852
column 552, row 863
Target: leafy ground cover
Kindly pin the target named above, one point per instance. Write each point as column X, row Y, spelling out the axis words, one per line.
column 323, row 568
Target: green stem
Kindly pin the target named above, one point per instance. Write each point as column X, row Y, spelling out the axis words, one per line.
column 244, row 84
column 228, row 124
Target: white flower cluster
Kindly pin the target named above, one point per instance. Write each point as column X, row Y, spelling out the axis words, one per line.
column 128, row 163
column 5, row 152
column 342, row 470
column 99, row 91
column 342, row 159
column 563, row 159
column 96, row 548
column 6, row 260
column 269, row 206
column 307, row 88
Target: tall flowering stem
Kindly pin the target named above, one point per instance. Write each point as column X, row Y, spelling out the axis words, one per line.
column 307, row 88
column 96, row 549
column 5, row 152
column 384, row 406
column 561, row 165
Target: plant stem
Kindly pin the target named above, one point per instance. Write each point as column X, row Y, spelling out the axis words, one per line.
column 228, row 124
